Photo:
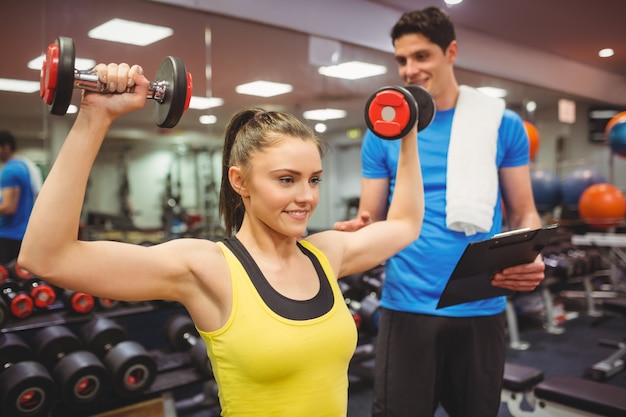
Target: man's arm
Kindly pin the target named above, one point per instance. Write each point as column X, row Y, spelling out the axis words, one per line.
column 10, row 198
column 372, row 204
column 518, row 198
column 520, row 213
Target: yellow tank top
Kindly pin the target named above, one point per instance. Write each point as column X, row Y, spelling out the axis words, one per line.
column 268, row 365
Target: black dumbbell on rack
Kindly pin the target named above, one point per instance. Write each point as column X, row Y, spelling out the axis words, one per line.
column 107, row 303
column 78, row 302
column 82, row 380
column 20, row 305
column 368, row 309
column 183, row 337
column 26, row 387
column 132, row 368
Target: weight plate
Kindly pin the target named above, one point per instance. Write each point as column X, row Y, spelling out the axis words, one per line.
column 49, row 73
column 26, row 389
column 51, row 343
column 189, row 90
column 21, row 306
column 17, row 272
column 81, row 303
column 173, row 75
column 102, row 333
column 65, row 76
column 425, row 104
column 43, row 295
column 177, row 330
column 132, row 369
column 200, row 359
column 391, row 112
column 13, row 349
column 82, row 379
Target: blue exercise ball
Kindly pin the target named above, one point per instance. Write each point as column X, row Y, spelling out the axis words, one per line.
column 617, row 138
column 546, row 189
column 573, row 185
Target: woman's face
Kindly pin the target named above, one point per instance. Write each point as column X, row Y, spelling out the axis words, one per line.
column 283, row 186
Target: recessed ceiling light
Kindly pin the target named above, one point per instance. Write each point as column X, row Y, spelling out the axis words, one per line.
column 324, row 114
column 127, row 31
column 606, row 52
column 453, row 2
column 352, row 70
column 264, row 88
column 531, row 106
column 494, row 91
column 320, row 127
column 208, row 119
column 19, row 86
column 203, row 103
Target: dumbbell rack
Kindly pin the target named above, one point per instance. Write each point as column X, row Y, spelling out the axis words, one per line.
column 174, row 369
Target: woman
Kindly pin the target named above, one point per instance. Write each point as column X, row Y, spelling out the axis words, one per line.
column 266, row 302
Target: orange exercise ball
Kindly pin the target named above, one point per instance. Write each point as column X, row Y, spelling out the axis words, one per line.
column 619, row 117
column 533, row 138
column 602, row 205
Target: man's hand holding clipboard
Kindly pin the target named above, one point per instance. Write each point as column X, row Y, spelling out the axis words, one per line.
column 502, row 265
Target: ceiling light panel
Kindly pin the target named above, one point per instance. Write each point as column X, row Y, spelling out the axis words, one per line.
column 264, row 88
column 129, row 32
column 324, row 114
column 353, row 70
column 203, row 103
column 19, row 86
column 207, row 119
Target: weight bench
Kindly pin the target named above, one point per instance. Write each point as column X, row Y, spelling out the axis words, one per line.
column 559, row 396
column 517, row 387
column 614, row 363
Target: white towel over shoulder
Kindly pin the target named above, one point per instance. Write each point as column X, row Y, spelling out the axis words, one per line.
column 472, row 175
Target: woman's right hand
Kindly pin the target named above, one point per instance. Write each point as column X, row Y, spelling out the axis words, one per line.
column 117, row 101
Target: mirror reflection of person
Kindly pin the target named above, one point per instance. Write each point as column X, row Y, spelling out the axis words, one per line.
column 20, row 181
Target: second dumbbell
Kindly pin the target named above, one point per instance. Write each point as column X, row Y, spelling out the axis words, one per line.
column 182, row 335
column 392, row 112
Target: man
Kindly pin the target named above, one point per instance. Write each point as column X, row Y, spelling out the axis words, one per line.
column 20, row 182
column 475, row 157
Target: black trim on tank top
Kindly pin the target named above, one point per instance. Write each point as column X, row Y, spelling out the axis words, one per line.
column 285, row 307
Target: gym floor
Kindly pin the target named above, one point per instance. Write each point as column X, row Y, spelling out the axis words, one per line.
column 567, row 354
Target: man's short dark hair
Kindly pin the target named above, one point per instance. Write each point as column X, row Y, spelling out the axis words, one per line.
column 431, row 22
column 7, row 138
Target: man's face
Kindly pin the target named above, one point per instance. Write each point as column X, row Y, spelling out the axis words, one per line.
column 5, row 152
column 423, row 63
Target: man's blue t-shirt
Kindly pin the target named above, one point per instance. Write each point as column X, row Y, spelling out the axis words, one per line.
column 417, row 275
column 15, row 173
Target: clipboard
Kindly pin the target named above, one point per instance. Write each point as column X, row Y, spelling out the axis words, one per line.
column 471, row 278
